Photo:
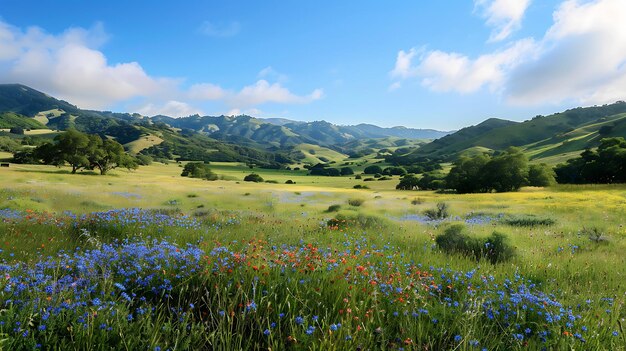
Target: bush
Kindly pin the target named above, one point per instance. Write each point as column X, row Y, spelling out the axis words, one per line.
column 346, row 171
column 408, row 182
column 438, row 213
column 494, row 248
column 358, row 176
column 359, row 186
column 355, row 202
column 253, row 177
column 198, row 170
column 372, row 169
column 528, row 221
column 333, row 208
column 289, row 181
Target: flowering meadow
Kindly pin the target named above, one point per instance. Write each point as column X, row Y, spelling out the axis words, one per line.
column 161, row 280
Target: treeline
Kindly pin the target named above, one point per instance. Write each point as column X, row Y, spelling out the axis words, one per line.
column 506, row 171
column 80, row 151
column 605, row 165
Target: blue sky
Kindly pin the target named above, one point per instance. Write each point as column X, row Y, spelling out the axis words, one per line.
column 435, row 64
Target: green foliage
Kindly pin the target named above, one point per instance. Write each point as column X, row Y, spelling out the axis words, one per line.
column 359, row 186
column 432, row 181
column 80, row 151
column 541, row 175
column 108, row 154
column 528, row 221
column 333, row 208
column 439, row 212
column 373, row 169
column 346, row 171
column 9, row 144
column 408, row 182
column 253, row 177
column 604, row 166
column 494, row 248
column 321, row 169
column 394, row 171
column 507, row 171
column 198, row 170
column 355, row 202
column 14, row 120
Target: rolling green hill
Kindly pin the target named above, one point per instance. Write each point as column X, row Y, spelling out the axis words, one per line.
column 549, row 139
column 10, row 120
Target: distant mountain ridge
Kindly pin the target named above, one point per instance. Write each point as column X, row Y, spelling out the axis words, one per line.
column 276, row 141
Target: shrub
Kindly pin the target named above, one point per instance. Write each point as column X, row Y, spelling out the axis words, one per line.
column 594, row 234
column 198, row 170
column 271, row 181
column 359, row 186
column 346, row 171
column 253, row 177
column 333, row 208
column 372, row 169
column 289, row 181
column 528, row 221
column 355, row 202
column 437, row 213
column 498, row 249
column 494, row 248
column 358, row 176
column 417, row 201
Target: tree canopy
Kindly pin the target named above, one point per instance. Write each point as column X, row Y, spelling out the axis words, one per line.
column 83, row 151
column 605, row 165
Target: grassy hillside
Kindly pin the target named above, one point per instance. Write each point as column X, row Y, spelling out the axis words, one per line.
column 10, row 120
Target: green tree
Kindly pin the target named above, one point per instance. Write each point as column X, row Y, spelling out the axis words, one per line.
column 466, row 176
column 108, row 154
column 507, row 171
column 71, row 147
column 346, row 171
column 198, row 170
column 253, row 177
column 541, row 175
column 373, row 169
column 408, row 182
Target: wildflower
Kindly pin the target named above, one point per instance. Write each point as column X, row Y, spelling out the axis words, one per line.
column 458, row 338
column 266, row 332
column 299, row 320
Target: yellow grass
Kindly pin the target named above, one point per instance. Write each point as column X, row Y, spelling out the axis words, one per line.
column 142, row 143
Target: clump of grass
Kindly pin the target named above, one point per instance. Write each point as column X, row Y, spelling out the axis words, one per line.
column 439, row 212
column 355, row 202
column 595, row 234
column 528, row 221
column 417, row 201
column 333, row 208
column 494, row 248
column 359, row 186
column 344, row 221
column 192, row 195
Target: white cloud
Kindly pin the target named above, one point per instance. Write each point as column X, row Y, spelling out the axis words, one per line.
column 70, row 66
column 171, row 108
column 504, row 16
column 220, row 30
column 581, row 58
column 263, row 92
column 442, row 71
column 403, row 68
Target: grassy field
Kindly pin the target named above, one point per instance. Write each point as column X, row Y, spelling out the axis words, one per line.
column 151, row 260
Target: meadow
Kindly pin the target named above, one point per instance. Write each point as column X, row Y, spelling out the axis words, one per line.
column 150, row 260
